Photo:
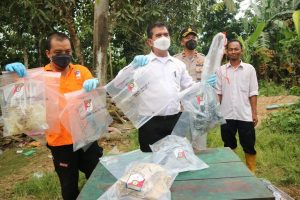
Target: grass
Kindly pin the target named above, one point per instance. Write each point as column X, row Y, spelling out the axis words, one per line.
column 271, row 89
column 277, row 146
column 43, row 188
column 134, row 140
column 277, row 155
column 286, row 121
column 46, row 187
column 277, row 161
column 10, row 162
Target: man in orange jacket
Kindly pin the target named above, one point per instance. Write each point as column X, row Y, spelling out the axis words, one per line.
column 73, row 77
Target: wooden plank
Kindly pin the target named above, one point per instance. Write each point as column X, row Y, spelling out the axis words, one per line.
column 217, row 155
column 226, row 175
column 218, row 170
column 225, row 189
column 207, row 189
column 100, row 180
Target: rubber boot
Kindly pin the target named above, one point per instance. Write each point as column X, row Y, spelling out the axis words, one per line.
column 251, row 162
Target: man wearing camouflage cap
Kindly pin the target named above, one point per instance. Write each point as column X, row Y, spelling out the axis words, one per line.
column 192, row 59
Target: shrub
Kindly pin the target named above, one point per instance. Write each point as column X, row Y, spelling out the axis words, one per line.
column 286, row 121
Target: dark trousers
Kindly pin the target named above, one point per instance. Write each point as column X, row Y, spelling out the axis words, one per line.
column 68, row 163
column 246, row 133
column 155, row 129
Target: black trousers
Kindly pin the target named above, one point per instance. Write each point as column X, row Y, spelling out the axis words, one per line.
column 68, row 163
column 246, row 133
column 155, row 129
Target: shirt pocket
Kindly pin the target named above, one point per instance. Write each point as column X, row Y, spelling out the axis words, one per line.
column 244, row 81
column 244, row 87
column 175, row 78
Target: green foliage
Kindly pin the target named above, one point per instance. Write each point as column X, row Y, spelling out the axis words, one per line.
column 271, row 89
column 46, row 187
column 251, row 43
column 208, row 17
column 276, row 52
column 270, row 40
column 256, row 34
column 25, row 24
column 285, row 122
column 214, row 18
column 133, row 17
column 295, row 90
column 290, row 60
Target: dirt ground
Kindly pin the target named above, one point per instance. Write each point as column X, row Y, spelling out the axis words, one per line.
column 42, row 162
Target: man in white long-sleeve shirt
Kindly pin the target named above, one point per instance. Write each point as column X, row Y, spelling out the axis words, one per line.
column 170, row 77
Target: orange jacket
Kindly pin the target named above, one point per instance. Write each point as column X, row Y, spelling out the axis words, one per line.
column 73, row 81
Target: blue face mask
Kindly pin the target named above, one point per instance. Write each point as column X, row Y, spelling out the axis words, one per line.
column 62, row 60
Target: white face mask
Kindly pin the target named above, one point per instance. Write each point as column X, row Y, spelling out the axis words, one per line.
column 162, row 43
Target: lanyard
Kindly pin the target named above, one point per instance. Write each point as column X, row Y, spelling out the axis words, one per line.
column 226, row 74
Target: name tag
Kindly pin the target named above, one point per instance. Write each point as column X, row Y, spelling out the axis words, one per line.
column 77, row 74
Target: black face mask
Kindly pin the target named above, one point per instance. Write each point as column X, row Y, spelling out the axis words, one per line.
column 62, row 60
column 191, row 44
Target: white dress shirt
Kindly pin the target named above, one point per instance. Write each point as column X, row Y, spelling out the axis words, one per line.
column 236, row 86
column 168, row 76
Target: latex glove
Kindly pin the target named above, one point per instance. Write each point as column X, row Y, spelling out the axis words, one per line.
column 17, row 67
column 90, row 84
column 140, row 61
column 212, row 80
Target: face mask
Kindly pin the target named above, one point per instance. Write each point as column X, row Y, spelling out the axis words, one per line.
column 162, row 43
column 191, row 44
column 62, row 60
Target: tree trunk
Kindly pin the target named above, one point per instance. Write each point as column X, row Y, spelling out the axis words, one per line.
column 100, row 39
column 25, row 57
column 110, row 62
column 40, row 51
column 69, row 20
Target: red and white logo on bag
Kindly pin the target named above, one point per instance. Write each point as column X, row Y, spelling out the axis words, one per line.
column 130, row 86
column 88, row 105
column 180, row 153
column 198, row 99
column 135, row 182
column 18, row 88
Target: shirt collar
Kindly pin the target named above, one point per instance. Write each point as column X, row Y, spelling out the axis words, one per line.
column 152, row 57
column 241, row 64
column 49, row 68
column 184, row 54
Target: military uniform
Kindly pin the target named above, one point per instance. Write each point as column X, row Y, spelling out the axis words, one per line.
column 194, row 64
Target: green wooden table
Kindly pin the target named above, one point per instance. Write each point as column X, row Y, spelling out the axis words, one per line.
column 226, row 178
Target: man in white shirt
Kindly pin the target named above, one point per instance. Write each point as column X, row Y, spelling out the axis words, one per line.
column 170, row 77
column 237, row 89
